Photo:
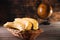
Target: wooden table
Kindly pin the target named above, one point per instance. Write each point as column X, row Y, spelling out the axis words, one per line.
column 51, row 32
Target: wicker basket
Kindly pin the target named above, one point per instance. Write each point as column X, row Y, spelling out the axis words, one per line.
column 26, row 35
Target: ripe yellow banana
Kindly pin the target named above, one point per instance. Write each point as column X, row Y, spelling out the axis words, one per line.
column 23, row 24
column 14, row 25
column 33, row 21
column 19, row 26
column 28, row 24
column 8, row 24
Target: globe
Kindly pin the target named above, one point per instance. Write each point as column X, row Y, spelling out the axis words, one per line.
column 44, row 11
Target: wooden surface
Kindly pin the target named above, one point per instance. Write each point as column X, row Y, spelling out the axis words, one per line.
column 51, row 32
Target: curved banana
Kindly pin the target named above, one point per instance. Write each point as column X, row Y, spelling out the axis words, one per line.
column 14, row 25
column 23, row 24
column 8, row 24
column 19, row 26
column 33, row 21
column 27, row 24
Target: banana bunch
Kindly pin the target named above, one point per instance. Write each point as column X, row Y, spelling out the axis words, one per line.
column 23, row 24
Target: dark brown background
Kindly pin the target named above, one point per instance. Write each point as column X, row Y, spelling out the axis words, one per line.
column 10, row 9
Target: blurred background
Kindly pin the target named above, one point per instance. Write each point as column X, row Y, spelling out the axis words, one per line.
column 10, row 9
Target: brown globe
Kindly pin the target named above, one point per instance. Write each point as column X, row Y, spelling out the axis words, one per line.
column 44, row 11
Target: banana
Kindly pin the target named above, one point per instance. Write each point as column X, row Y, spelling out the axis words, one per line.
column 23, row 24
column 14, row 25
column 19, row 26
column 33, row 21
column 8, row 24
column 28, row 24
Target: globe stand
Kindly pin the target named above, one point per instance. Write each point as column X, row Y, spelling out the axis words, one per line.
column 46, row 22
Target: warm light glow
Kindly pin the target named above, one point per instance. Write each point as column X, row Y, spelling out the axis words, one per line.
column 40, row 9
column 51, row 11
